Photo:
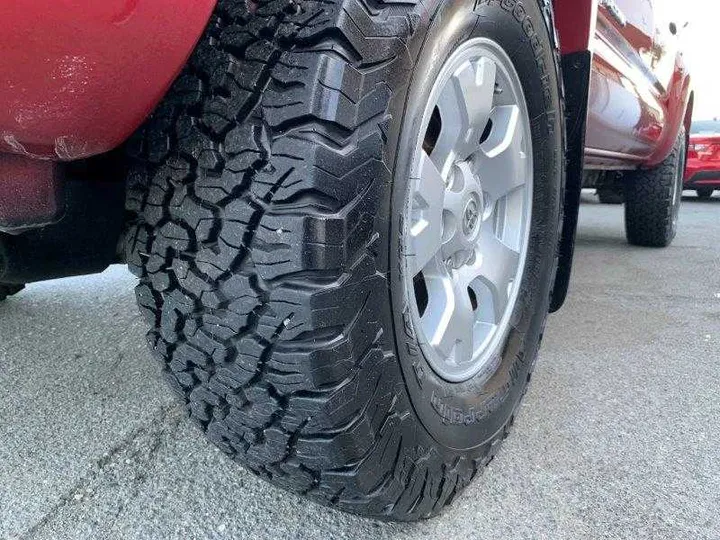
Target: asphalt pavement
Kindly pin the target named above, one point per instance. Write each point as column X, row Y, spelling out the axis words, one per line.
column 619, row 436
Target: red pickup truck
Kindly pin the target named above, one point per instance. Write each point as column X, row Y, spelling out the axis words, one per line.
column 349, row 218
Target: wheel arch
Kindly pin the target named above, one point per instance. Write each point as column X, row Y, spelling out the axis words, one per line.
column 79, row 77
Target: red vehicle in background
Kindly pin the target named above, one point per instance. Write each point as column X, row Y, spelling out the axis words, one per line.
column 703, row 166
column 349, row 219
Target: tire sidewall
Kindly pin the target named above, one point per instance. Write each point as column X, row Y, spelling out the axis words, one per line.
column 466, row 415
column 678, row 185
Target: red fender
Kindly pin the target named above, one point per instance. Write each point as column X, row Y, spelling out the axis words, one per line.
column 78, row 77
column 575, row 22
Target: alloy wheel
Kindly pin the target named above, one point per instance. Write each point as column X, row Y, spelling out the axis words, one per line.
column 470, row 211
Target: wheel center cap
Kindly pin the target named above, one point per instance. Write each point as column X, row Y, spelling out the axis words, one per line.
column 471, row 215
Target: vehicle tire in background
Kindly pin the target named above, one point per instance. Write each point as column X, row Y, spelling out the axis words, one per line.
column 653, row 198
column 704, row 193
column 271, row 198
column 9, row 290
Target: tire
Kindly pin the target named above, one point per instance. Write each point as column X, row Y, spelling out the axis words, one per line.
column 610, row 196
column 9, row 290
column 653, row 198
column 704, row 193
column 266, row 233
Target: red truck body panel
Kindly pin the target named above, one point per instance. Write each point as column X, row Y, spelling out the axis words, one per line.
column 77, row 77
column 575, row 22
column 639, row 88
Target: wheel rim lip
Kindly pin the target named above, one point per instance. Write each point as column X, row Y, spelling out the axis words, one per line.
column 486, row 358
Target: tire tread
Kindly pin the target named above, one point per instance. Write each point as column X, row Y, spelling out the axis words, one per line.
column 648, row 200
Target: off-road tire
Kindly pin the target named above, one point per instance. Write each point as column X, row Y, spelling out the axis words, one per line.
column 652, row 199
column 9, row 290
column 261, row 204
column 704, row 193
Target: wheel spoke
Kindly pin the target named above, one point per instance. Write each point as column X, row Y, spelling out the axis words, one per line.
column 502, row 161
column 426, row 228
column 496, row 267
column 449, row 326
column 465, row 105
column 499, row 267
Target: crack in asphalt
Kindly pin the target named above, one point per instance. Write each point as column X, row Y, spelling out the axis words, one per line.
column 136, row 452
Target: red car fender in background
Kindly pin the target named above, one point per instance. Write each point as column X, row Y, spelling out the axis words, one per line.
column 703, row 164
column 83, row 86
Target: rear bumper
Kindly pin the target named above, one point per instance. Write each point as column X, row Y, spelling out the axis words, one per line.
column 699, row 179
column 78, row 77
